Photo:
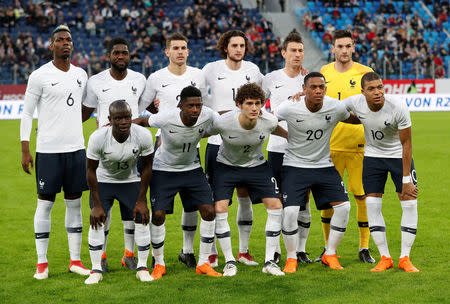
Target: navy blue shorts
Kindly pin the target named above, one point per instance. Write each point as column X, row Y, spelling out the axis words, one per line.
column 127, row 195
column 258, row 180
column 275, row 160
column 210, row 162
column 192, row 185
column 375, row 172
column 325, row 183
column 61, row 170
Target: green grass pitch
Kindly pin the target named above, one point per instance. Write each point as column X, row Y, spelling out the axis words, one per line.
column 311, row 284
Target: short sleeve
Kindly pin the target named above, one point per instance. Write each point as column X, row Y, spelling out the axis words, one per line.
column 403, row 116
column 214, row 128
column 344, row 114
column 159, row 119
column 149, row 93
column 91, row 100
column 93, row 150
column 282, row 111
column 146, row 142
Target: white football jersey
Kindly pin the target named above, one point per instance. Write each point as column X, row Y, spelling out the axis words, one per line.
column 381, row 128
column 166, row 86
column 57, row 96
column 279, row 87
column 117, row 161
column 241, row 147
column 178, row 150
column 309, row 133
column 103, row 89
column 224, row 83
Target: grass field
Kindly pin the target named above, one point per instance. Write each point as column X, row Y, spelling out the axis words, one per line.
column 311, row 284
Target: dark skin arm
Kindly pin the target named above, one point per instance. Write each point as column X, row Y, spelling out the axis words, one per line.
column 86, row 113
column 409, row 191
column 280, row 131
column 142, row 121
column 27, row 159
column 98, row 216
column 141, row 204
column 153, row 107
column 352, row 120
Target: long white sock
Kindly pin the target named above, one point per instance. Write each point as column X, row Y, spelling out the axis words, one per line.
column 189, row 222
column 106, row 229
column 128, row 235
column 304, row 222
column 376, row 224
column 214, row 247
column 96, row 239
column 74, row 227
column 206, row 240
column 42, row 225
column 142, row 237
column 408, row 226
column 338, row 225
column 158, row 234
column 290, row 230
column 244, row 221
column 273, row 231
column 223, row 235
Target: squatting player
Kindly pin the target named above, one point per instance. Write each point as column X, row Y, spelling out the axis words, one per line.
column 224, row 77
column 57, row 89
column 307, row 165
column 163, row 93
column 343, row 78
column 112, row 155
column 241, row 163
column 176, row 169
column 115, row 83
column 279, row 85
column 387, row 129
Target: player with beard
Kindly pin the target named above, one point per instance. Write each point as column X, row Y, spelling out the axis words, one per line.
column 56, row 89
column 224, row 77
column 117, row 82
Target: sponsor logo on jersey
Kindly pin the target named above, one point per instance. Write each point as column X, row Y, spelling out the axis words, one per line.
column 134, row 90
column 105, row 90
column 53, row 84
column 352, row 83
column 386, row 123
column 170, row 131
column 232, row 137
column 79, row 82
column 278, row 86
column 299, row 120
column 193, row 83
column 221, row 78
column 165, row 85
column 360, row 117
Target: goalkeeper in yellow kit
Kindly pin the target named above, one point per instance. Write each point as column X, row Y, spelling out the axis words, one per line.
column 343, row 78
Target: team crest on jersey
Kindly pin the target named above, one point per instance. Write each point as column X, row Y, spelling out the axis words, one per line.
column 328, row 118
column 200, row 130
column 262, row 137
column 41, row 184
column 352, row 83
column 247, row 78
column 134, row 90
column 135, row 150
column 386, row 123
column 79, row 82
column 193, row 83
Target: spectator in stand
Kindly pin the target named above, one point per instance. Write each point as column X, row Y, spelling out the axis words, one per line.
column 124, row 12
column 107, row 12
column 439, row 72
column 390, row 8
column 90, row 27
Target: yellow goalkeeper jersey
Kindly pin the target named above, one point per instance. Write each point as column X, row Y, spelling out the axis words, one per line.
column 345, row 137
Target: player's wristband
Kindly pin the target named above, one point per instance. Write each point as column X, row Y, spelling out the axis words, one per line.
column 407, row 179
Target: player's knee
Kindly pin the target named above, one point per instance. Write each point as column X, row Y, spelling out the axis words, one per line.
column 47, row 197
column 272, row 203
column 73, row 203
column 158, row 217
column 304, row 216
column 342, row 206
column 207, row 212
column 72, row 196
column 360, row 199
column 290, row 218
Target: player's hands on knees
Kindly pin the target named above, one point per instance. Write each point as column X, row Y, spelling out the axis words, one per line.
column 142, row 209
column 409, row 191
column 27, row 160
column 297, row 96
column 98, row 217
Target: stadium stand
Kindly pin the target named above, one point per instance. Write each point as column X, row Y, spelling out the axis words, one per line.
column 26, row 25
column 398, row 39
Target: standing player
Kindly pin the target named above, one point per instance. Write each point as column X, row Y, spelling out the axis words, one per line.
column 307, row 165
column 162, row 91
column 347, row 141
column 176, row 169
column 387, row 129
column 241, row 163
column 57, row 89
column 279, row 85
column 115, row 83
column 224, row 77
column 112, row 155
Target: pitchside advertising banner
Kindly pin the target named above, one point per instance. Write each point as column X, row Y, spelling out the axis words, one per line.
column 429, row 95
